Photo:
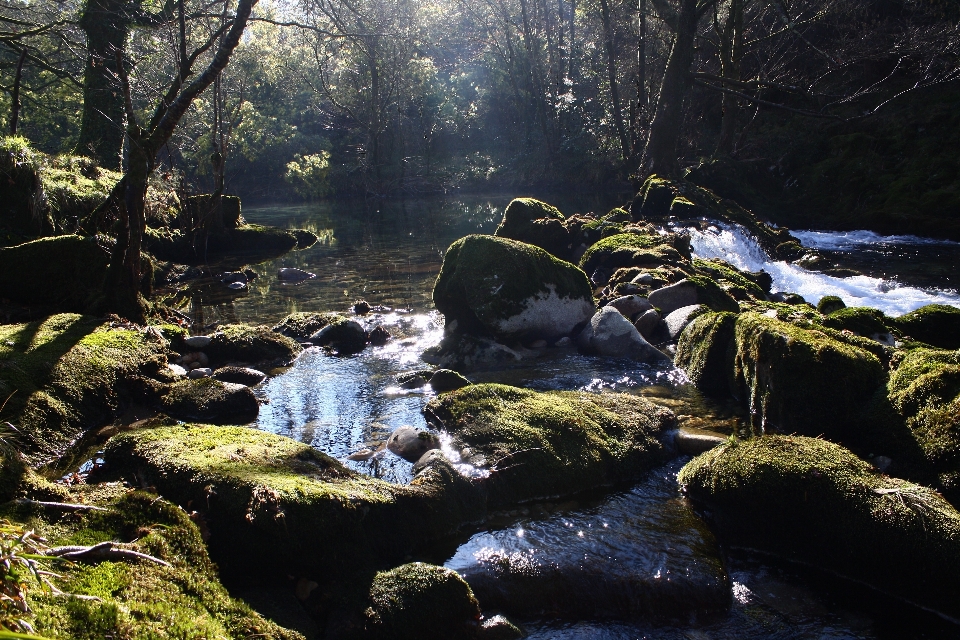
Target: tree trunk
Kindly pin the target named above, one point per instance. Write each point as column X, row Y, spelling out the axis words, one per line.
column 612, row 79
column 15, row 96
column 106, row 25
column 731, row 52
column 660, row 154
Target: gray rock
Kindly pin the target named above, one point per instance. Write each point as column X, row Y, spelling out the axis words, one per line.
column 345, row 335
column 669, row 299
column 410, row 444
column 678, row 320
column 210, row 401
column 630, row 306
column 289, row 274
column 240, row 375
column 177, row 370
column 197, row 342
column 232, row 277
column 645, row 279
column 444, row 380
column 693, row 442
column 475, row 353
column 200, row 372
column 647, row 324
column 414, row 379
column 610, row 334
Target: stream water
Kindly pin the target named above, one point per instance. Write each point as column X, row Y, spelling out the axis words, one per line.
column 637, row 563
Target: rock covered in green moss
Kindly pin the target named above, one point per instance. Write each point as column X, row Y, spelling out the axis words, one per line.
column 691, row 291
column 252, row 344
column 551, row 444
column 814, row 501
column 925, row 391
column 631, row 250
column 510, row 290
column 934, row 324
column 66, row 375
column 301, row 325
column 443, row 380
column 538, row 223
column 343, row 334
column 739, row 284
column 210, row 400
column 864, row 321
column 421, row 601
column 62, row 272
column 246, row 244
column 138, row 599
column 275, row 506
column 829, row 304
column 705, row 353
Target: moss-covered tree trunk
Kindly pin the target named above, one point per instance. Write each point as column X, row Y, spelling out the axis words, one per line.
column 106, row 24
column 660, row 154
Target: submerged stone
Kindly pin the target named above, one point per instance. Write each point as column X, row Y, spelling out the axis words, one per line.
column 813, row 501
column 510, row 291
column 410, row 444
column 552, row 444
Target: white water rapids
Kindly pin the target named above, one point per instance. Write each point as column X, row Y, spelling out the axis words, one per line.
column 740, row 249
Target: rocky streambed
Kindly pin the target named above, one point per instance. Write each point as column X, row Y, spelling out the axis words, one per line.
column 599, row 433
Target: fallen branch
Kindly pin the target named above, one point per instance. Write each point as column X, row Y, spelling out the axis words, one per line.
column 103, row 552
column 69, row 507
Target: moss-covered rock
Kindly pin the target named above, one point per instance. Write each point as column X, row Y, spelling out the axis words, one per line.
column 418, row 600
column 925, row 391
column 140, row 599
column 275, row 506
column 61, row 272
column 199, row 209
column 243, row 343
column 246, row 244
column 739, row 284
column 705, row 352
column 346, row 335
column 210, row 400
column 865, row 321
column 814, row 501
column 551, row 444
column 66, row 375
column 301, row 325
column 829, row 304
column 934, row 324
column 538, row 223
column 510, row 290
column 24, row 204
column 798, row 380
column 631, row 250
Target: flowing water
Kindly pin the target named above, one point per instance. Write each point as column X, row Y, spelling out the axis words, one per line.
column 637, row 563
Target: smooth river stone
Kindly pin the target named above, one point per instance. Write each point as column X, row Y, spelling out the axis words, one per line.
column 642, row 553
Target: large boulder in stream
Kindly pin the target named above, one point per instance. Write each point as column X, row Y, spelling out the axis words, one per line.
column 934, row 324
column 538, row 223
column 636, row 250
column 210, row 400
column 250, row 344
column 815, row 502
column 510, row 291
column 610, row 334
column 538, row 445
column 277, row 507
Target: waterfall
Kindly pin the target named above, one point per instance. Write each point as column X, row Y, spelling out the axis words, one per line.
column 739, row 248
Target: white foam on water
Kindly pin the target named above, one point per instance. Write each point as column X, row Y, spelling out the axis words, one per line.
column 737, row 247
column 840, row 240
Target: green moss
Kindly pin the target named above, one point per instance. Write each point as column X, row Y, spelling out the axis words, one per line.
column 210, row 400
column 797, row 380
column 630, row 250
column 276, row 506
column 712, row 295
column 829, row 304
column 537, row 223
column 816, row 502
column 705, row 353
column 725, row 273
column 141, row 600
column 75, row 186
column 485, row 280
column 62, row 272
column 653, row 200
column 67, row 373
column 934, row 324
column 554, row 443
column 243, row 343
column 617, row 214
column 865, row 321
column 420, row 600
column 301, row 326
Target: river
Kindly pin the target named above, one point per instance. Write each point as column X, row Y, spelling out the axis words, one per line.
column 389, row 254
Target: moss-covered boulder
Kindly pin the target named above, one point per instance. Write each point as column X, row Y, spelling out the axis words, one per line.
column 346, row 335
column 210, row 400
column 133, row 599
column 739, row 284
column 510, row 290
column 631, row 250
column 538, row 223
column 244, row 343
column 705, row 352
column 925, row 391
column 815, row 502
column 66, row 375
column 934, row 324
column 539, row 445
column 275, row 506
column 64, row 273
column 864, row 321
column 829, row 304
column 246, row 244
column 301, row 325
column 200, row 211
column 797, row 380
